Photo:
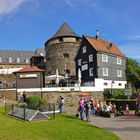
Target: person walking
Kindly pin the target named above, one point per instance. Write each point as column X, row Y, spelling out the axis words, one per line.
column 61, row 104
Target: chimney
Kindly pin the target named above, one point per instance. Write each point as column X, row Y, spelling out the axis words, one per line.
column 97, row 34
column 110, row 45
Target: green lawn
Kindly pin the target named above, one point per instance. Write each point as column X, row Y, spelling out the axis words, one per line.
column 62, row 128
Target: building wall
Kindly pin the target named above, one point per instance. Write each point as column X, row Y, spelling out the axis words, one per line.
column 85, row 60
column 55, row 58
column 26, row 81
column 112, row 67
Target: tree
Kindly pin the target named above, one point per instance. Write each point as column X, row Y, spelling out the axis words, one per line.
column 133, row 72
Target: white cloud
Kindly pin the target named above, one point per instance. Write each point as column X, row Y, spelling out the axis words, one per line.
column 70, row 3
column 133, row 37
column 8, row 6
column 131, row 50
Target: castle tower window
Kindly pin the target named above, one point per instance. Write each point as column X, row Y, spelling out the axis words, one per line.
column 18, row 60
column 10, row 60
column 66, row 55
column 60, row 39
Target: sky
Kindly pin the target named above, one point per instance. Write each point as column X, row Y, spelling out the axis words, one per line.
column 27, row 24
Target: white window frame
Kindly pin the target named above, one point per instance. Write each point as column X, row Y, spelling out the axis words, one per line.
column 119, row 61
column 91, row 72
column 90, row 58
column 18, row 60
column 119, row 73
column 104, row 58
column 84, row 49
column 105, row 71
column 84, row 67
column 10, row 60
column 79, row 62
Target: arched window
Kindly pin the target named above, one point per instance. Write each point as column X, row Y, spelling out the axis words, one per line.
column 18, row 60
column 10, row 60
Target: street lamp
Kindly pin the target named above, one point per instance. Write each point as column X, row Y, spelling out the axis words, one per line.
column 112, row 82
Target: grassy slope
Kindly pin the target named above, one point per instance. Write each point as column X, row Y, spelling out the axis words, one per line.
column 62, row 128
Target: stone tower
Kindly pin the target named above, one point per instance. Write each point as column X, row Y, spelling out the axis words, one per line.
column 61, row 50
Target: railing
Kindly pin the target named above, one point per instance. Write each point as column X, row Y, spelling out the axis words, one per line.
column 22, row 112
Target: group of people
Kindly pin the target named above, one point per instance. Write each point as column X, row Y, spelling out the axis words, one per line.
column 22, row 97
column 88, row 107
column 91, row 107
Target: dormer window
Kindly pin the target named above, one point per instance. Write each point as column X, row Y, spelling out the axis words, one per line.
column 18, row 60
column 84, row 49
column 0, row 59
column 27, row 60
column 10, row 60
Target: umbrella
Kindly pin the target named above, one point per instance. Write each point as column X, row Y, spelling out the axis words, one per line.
column 85, row 94
column 79, row 77
column 57, row 77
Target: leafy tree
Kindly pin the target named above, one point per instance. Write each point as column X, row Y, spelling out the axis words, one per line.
column 133, row 72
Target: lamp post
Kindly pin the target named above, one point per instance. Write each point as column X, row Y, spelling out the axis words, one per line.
column 112, row 82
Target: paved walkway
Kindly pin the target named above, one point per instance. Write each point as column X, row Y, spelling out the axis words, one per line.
column 126, row 127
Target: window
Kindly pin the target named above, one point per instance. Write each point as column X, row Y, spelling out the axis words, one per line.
column 104, row 58
column 79, row 62
column 84, row 67
column 0, row 59
column 119, row 84
column 119, row 61
column 66, row 55
column 105, row 84
column 18, row 60
column 27, row 60
column 105, row 71
column 91, row 58
column 67, row 71
column 119, row 73
column 91, row 72
column 10, row 60
column 84, row 49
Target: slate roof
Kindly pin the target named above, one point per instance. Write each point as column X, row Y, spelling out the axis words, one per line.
column 14, row 54
column 104, row 46
column 40, row 52
column 29, row 69
column 64, row 30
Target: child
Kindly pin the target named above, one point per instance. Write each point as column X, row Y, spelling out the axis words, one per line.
column 126, row 109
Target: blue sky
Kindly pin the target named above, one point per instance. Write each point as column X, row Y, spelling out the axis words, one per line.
column 27, row 24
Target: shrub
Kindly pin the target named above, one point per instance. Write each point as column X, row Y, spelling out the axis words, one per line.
column 33, row 102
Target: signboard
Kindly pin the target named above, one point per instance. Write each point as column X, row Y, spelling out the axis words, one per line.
column 128, row 91
column 28, row 76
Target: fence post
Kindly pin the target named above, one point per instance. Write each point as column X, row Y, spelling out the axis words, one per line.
column 5, row 108
column 49, row 107
column 54, row 111
column 24, row 113
column 12, row 110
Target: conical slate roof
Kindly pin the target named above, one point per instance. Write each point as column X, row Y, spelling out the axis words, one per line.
column 64, row 30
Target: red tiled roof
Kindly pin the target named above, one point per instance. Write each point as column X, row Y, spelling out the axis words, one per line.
column 29, row 69
column 104, row 46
